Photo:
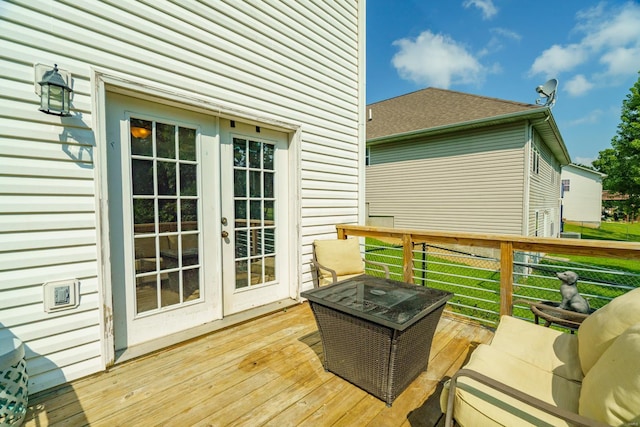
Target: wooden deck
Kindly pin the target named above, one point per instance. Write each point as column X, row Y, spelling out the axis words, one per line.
column 264, row 372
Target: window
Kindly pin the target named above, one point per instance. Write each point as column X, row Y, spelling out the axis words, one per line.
column 535, row 163
column 565, row 185
column 367, row 158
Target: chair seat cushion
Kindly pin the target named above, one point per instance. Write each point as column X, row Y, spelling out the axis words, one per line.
column 328, row 280
column 611, row 389
column 598, row 331
column 548, row 349
column 480, row 405
column 341, row 255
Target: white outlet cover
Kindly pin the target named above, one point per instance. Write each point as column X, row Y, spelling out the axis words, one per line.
column 61, row 294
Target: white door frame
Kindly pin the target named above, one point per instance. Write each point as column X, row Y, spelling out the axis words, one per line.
column 129, row 85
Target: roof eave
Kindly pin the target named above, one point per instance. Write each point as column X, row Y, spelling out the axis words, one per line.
column 540, row 117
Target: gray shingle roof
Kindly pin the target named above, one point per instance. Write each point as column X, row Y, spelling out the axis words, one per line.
column 432, row 107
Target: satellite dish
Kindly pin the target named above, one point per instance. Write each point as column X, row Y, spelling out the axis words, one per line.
column 548, row 91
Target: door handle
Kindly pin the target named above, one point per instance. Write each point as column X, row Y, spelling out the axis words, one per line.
column 225, row 234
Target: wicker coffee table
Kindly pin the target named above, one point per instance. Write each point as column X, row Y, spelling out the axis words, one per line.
column 376, row 333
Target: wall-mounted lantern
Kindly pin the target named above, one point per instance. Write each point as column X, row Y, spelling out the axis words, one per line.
column 55, row 92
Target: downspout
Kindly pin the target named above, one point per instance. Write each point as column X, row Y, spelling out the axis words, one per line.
column 362, row 107
column 526, row 203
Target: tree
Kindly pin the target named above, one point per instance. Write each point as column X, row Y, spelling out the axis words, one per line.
column 621, row 163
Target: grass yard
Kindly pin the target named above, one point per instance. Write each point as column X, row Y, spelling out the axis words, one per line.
column 620, row 231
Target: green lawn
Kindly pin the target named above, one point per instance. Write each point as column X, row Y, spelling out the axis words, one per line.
column 620, row 231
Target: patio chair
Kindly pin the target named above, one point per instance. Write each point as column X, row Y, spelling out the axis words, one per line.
column 339, row 259
column 531, row 375
column 551, row 313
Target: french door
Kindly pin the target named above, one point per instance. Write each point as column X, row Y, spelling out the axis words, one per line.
column 163, row 191
column 255, row 220
column 198, row 218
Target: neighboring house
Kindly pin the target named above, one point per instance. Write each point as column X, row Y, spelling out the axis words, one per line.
column 208, row 145
column 581, row 194
column 444, row 160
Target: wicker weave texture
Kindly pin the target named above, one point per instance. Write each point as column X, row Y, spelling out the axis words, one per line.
column 376, row 358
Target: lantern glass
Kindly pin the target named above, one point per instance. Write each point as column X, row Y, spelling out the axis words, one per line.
column 54, row 94
column 56, row 99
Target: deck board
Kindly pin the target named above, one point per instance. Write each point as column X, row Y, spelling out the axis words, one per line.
column 264, row 372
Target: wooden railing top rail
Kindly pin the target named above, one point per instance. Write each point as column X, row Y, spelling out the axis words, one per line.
column 506, row 243
column 601, row 248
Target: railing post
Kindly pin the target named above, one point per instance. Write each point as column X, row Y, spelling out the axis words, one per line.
column 506, row 278
column 341, row 234
column 407, row 258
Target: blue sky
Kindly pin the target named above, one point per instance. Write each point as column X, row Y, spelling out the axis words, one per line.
column 505, row 49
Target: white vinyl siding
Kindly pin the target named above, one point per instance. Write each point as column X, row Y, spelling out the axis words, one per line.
column 583, row 201
column 469, row 181
column 290, row 62
column 544, row 193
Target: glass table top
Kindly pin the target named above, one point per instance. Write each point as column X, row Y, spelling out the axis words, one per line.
column 388, row 302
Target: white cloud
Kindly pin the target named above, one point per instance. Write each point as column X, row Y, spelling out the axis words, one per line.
column 592, row 117
column 506, row 33
column 622, row 61
column 436, row 60
column 611, row 38
column 578, row 85
column 487, row 7
column 498, row 35
column 619, row 28
column 557, row 59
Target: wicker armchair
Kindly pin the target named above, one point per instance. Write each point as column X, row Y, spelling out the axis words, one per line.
column 530, row 375
column 339, row 259
column 551, row 313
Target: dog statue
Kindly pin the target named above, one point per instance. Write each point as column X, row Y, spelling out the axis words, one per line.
column 571, row 299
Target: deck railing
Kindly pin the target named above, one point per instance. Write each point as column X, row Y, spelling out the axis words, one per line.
column 508, row 251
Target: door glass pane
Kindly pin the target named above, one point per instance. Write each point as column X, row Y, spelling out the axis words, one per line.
column 188, row 179
column 189, row 214
column 239, row 152
column 166, row 178
column 142, row 176
column 268, row 184
column 255, row 248
column 255, row 188
column 141, row 137
column 241, row 213
column 146, row 293
column 242, row 277
column 254, row 154
column 166, row 140
column 170, row 288
column 240, row 183
column 168, row 214
column 190, row 249
column 165, row 203
column 268, row 157
column 143, row 216
column 191, row 282
column 187, row 144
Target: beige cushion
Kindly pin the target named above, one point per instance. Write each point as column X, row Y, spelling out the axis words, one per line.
column 328, row 280
column 341, row 255
column 479, row 405
column 611, row 389
column 598, row 331
column 548, row 349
